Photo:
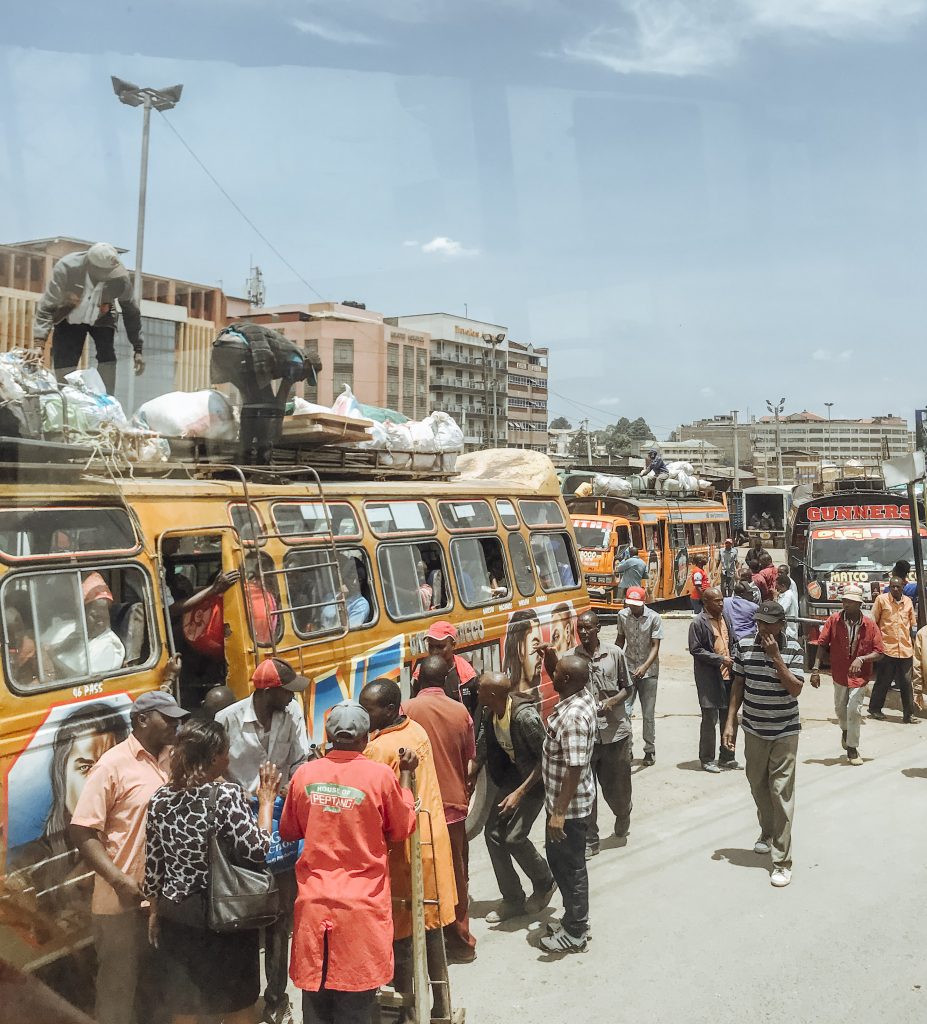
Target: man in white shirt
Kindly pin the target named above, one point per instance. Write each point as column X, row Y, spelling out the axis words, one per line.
column 268, row 726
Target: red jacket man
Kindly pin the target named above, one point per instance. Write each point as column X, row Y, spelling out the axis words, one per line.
column 346, row 808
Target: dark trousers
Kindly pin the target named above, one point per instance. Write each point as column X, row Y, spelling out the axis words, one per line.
column 611, row 767
column 277, row 942
column 695, row 603
column 68, row 347
column 890, row 670
column 567, row 861
column 508, row 839
column 727, row 585
column 457, row 936
column 709, row 740
column 330, row 1007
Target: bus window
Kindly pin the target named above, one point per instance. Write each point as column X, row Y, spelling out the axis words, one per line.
column 413, row 577
column 466, row 515
column 63, row 626
column 636, row 533
column 308, row 519
column 479, row 566
column 263, row 601
column 653, row 538
column 555, row 560
column 52, row 532
column 689, row 533
column 311, row 583
column 507, row 513
column 390, row 517
column 699, row 533
column 247, row 522
column 541, row 513
column 678, row 535
column 521, row 565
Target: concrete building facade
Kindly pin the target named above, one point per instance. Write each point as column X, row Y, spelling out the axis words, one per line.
column 527, row 396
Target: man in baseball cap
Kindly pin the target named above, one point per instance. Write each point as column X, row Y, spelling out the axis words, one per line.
column 347, row 724
column 81, row 298
column 270, row 726
column 441, row 639
column 768, row 678
column 855, row 645
column 108, row 828
column 640, row 633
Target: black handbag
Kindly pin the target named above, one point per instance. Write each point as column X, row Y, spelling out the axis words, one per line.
column 237, row 898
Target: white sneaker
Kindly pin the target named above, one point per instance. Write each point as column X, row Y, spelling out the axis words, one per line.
column 780, row 878
column 561, row 941
column 761, row 846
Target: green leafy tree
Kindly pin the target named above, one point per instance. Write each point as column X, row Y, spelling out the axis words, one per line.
column 561, row 423
column 578, row 445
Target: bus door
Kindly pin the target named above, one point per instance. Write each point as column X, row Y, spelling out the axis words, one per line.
column 653, row 550
column 679, row 549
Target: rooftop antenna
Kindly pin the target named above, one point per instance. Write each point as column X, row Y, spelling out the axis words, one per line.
column 255, row 287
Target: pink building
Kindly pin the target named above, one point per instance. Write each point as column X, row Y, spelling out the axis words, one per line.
column 383, row 364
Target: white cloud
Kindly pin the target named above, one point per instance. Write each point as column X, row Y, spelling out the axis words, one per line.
column 822, row 355
column 609, row 403
column 706, row 392
column 448, row 248
column 333, row 34
column 672, row 37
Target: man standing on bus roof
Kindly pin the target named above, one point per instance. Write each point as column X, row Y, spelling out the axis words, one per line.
column 632, row 571
column 711, row 638
column 768, row 678
column 894, row 615
column 855, row 643
column 80, row 298
column 441, row 640
column 640, row 632
column 609, row 685
column 654, row 463
column 108, row 828
column 728, row 567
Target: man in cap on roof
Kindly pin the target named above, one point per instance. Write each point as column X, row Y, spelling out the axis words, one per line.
column 80, row 298
column 269, row 726
column 654, row 463
column 855, row 644
column 441, row 639
column 108, row 827
column 347, row 809
column 768, row 677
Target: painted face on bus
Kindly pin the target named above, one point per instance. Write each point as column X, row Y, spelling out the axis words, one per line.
column 86, row 749
column 561, row 632
column 532, row 655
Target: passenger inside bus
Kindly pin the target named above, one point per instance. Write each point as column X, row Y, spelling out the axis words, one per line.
column 480, row 569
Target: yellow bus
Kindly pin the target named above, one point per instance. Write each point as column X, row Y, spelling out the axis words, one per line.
column 666, row 531
column 341, row 578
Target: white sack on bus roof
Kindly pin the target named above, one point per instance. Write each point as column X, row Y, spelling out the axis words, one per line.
column 189, row 414
column 517, row 466
column 606, row 486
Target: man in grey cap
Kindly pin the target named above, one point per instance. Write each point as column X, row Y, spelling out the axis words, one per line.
column 80, row 298
column 347, row 808
column 108, row 828
column 768, row 677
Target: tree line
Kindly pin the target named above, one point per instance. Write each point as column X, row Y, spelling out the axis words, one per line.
column 620, row 438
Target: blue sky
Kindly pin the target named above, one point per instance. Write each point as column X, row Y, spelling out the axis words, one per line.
column 697, row 206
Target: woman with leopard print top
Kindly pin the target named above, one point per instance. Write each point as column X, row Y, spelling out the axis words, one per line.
column 207, row 973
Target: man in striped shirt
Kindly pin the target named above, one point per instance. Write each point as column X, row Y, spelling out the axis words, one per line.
column 768, row 677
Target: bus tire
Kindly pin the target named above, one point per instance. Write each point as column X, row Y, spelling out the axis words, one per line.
column 484, row 792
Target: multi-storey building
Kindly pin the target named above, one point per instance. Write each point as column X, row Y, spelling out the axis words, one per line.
column 701, row 454
column 719, row 431
column 527, row 396
column 468, row 375
column 383, row 364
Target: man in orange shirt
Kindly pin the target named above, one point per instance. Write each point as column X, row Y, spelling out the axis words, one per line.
column 108, row 827
column 894, row 615
column 391, row 732
column 450, row 729
column 346, row 808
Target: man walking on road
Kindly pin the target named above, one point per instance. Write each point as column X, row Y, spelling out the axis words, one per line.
column 450, row 729
column 569, row 794
column 765, row 578
column 640, row 632
column 609, row 685
column 855, row 644
column 511, row 741
column 752, row 591
column 728, row 567
column 711, row 637
column 108, row 827
column 768, row 677
column 632, row 571
column 741, row 611
column 894, row 615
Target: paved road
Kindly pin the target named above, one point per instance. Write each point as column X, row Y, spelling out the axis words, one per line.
column 686, row 926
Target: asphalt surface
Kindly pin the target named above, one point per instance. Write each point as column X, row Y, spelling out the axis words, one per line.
column 686, row 925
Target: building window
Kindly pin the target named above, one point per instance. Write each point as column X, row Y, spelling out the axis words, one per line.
column 343, row 352
column 392, row 354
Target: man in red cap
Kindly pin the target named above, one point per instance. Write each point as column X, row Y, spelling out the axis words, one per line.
column 269, row 726
column 461, row 676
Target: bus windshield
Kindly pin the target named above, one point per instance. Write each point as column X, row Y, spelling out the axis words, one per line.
column 866, row 548
column 593, row 537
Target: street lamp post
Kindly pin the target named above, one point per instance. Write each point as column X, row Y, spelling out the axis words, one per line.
column 145, row 97
column 776, row 410
column 830, row 439
column 494, row 340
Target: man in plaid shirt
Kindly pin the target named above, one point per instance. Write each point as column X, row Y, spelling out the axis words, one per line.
column 569, row 789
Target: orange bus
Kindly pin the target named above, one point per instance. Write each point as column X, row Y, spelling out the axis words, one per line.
column 341, row 578
column 667, row 531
